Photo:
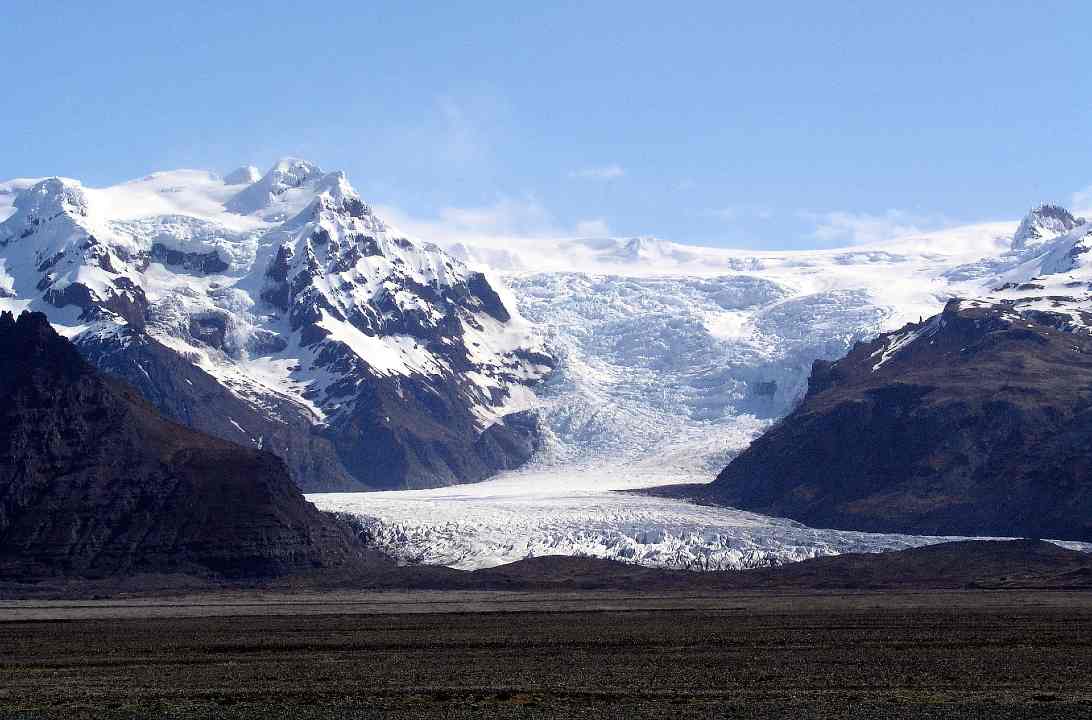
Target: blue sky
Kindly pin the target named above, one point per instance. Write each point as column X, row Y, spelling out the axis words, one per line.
column 764, row 125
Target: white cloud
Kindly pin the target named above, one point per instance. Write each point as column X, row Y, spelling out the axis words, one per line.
column 501, row 224
column 865, row 228
column 603, row 172
column 511, row 233
column 739, row 212
column 1081, row 202
column 524, row 216
column 596, row 227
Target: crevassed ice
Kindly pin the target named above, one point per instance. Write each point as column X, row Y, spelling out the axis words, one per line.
column 661, row 381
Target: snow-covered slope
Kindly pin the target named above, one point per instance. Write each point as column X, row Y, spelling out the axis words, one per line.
column 1045, row 274
column 280, row 311
column 649, row 256
column 1043, row 224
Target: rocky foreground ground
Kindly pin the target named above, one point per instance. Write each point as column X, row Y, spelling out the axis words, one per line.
column 962, row 654
column 971, row 629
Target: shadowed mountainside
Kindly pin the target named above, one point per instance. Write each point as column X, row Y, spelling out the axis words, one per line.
column 95, row 482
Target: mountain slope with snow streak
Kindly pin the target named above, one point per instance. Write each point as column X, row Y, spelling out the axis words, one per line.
column 282, row 312
column 977, row 420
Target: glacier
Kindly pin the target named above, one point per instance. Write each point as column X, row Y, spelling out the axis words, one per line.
column 671, row 359
column 578, row 510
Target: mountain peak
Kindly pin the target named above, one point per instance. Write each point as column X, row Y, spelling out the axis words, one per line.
column 332, row 192
column 287, row 174
column 42, row 202
column 51, row 196
column 1043, row 223
column 294, row 166
column 29, row 344
column 337, row 185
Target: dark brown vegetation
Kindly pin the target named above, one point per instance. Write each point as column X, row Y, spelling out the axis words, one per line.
column 758, row 655
column 980, row 426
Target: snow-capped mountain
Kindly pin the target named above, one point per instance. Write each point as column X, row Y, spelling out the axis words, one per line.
column 280, row 311
column 1046, row 274
column 1042, row 224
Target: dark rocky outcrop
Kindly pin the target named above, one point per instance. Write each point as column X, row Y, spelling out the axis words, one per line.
column 201, row 263
column 404, row 435
column 94, row 482
column 187, row 394
column 976, row 422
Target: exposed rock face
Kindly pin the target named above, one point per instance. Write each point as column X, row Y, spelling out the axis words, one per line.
column 188, row 394
column 1043, row 224
column 279, row 312
column 94, row 481
column 204, row 263
column 975, row 422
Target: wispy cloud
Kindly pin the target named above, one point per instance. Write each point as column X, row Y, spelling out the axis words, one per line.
column 516, row 216
column 450, row 136
column 507, row 221
column 596, row 227
column 731, row 213
column 1081, row 201
column 863, row 228
column 602, row 172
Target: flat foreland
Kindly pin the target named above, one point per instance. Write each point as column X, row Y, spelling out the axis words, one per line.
column 997, row 654
column 973, row 630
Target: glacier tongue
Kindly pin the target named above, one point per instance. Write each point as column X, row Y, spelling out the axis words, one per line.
column 572, row 511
